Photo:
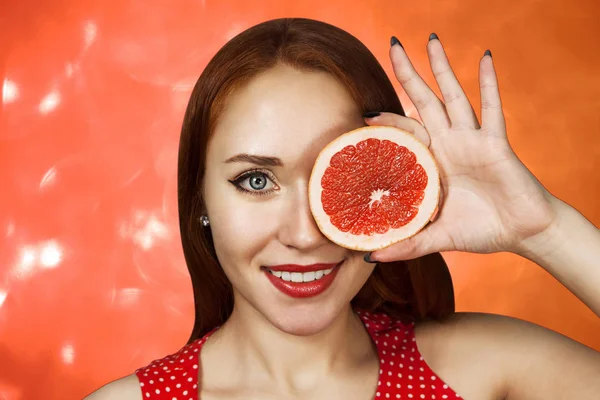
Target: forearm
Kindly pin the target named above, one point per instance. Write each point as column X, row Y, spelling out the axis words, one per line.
column 570, row 251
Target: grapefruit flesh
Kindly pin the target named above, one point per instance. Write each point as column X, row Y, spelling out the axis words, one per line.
column 372, row 187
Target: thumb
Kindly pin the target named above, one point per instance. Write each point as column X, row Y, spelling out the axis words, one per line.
column 427, row 241
column 424, row 242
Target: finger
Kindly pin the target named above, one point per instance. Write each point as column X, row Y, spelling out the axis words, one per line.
column 459, row 109
column 492, row 116
column 430, row 240
column 430, row 108
column 405, row 123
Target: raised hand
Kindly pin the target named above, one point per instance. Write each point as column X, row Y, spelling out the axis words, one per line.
column 491, row 202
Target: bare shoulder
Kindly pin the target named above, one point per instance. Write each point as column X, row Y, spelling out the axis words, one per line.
column 519, row 359
column 126, row 388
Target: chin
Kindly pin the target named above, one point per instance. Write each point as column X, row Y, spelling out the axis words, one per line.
column 303, row 319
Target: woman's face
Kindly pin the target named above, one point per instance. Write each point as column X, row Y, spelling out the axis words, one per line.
column 258, row 204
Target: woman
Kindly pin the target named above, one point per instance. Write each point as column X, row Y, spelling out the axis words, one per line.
column 264, row 107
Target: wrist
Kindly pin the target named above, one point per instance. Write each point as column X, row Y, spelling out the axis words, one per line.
column 552, row 238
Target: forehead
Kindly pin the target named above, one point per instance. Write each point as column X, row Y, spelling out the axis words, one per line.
column 284, row 112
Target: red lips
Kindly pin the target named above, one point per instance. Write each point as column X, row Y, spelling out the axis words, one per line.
column 301, row 268
column 303, row 289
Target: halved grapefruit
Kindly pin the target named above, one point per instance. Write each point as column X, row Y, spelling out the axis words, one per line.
column 372, row 187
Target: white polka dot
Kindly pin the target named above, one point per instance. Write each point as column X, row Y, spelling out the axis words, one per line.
column 157, row 391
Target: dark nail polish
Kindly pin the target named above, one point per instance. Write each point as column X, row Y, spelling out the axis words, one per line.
column 433, row 36
column 367, row 258
column 371, row 114
column 487, row 53
column 394, row 40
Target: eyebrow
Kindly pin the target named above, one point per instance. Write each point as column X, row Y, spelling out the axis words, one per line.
column 255, row 159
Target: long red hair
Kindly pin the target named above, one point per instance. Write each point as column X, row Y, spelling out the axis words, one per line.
column 410, row 290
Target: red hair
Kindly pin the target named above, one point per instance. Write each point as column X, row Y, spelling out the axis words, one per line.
column 410, row 290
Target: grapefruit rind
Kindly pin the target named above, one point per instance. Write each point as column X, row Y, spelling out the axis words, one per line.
column 427, row 209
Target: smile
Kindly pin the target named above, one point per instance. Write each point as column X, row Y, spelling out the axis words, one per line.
column 299, row 276
column 302, row 281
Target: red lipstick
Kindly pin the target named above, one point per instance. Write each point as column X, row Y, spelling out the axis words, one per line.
column 303, row 289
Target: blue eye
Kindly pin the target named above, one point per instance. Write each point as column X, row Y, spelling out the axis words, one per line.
column 254, row 182
column 257, row 182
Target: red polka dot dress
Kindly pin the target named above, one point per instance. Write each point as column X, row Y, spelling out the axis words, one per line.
column 403, row 372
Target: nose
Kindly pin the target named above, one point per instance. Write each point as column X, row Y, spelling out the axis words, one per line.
column 298, row 228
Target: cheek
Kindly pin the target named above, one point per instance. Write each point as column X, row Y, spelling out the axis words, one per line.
column 241, row 227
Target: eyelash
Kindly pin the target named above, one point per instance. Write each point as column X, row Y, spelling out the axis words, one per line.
column 249, row 174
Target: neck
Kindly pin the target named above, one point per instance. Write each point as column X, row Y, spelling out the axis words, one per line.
column 264, row 353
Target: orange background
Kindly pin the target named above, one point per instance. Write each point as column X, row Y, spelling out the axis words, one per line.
column 92, row 278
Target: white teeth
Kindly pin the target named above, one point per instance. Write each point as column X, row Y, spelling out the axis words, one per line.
column 301, row 277
column 308, row 277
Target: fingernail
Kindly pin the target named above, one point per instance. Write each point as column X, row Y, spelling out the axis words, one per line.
column 394, row 40
column 367, row 258
column 487, row 53
column 371, row 114
column 433, row 36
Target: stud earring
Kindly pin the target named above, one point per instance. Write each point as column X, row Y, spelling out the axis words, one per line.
column 204, row 220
